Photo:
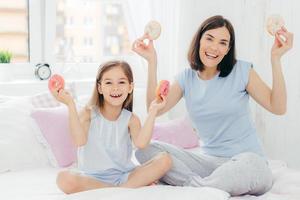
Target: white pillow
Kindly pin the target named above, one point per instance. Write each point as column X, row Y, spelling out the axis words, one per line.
column 4, row 99
column 19, row 147
column 46, row 100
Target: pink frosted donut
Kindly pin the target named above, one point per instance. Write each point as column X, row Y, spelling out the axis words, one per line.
column 274, row 23
column 153, row 29
column 162, row 88
column 56, row 81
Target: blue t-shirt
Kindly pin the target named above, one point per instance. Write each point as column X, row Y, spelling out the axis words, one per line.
column 220, row 112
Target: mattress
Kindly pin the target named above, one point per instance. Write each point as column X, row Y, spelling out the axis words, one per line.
column 31, row 184
column 39, row 184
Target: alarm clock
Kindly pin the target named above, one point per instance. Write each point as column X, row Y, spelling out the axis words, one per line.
column 42, row 71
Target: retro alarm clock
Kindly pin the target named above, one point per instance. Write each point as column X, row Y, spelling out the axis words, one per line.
column 42, row 71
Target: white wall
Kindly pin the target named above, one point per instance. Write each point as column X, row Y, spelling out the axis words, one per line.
column 280, row 134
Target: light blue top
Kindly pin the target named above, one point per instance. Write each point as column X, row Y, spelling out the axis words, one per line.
column 220, row 112
column 109, row 146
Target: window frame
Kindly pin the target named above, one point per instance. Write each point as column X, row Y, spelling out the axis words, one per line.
column 87, row 70
column 25, row 70
column 42, row 33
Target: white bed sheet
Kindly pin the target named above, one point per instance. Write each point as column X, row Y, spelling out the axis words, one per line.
column 31, row 184
column 153, row 193
column 39, row 184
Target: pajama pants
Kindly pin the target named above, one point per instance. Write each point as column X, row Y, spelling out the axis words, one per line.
column 245, row 173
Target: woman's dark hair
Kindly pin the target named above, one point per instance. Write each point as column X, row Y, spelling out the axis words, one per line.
column 229, row 60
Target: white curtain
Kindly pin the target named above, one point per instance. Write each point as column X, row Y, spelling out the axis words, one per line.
column 166, row 12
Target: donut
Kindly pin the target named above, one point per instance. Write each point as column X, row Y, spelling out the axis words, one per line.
column 162, row 89
column 274, row 23
column 153, row 29
column 56, row 81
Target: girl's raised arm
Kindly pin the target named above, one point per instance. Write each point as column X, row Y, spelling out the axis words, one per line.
column 141, row 135
column 79, row 123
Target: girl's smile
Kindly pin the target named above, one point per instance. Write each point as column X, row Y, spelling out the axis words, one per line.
column 115, row 86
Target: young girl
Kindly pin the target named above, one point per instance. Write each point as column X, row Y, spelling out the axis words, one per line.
column 104, row 132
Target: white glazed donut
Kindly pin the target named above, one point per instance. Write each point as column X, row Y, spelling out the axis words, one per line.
column 153, row 29
column 274, row 23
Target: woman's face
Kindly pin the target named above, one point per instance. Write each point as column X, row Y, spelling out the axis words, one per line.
column 214, row 45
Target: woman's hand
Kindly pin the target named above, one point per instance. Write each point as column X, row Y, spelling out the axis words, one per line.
column 281, row 46
column 146, row 51
column 63, row 96
column 156, row 105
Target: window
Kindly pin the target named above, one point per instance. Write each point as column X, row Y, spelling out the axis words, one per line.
column 73, row 36
column 14, row 32
column 96, row 28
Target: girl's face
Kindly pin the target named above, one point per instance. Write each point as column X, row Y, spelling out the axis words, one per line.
column 214, row 45
column 115, row 86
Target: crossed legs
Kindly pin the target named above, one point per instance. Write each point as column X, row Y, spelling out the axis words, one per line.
column 71, row 182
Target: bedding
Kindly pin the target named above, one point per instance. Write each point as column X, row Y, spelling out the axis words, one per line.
column 46, row 100
column 39, row 183
column 30, row 184
column 27, row 171
column 19, row 148
column 178, row 132
column 153, row 193
column 54, row 126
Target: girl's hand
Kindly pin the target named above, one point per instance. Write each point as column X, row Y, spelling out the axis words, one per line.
column 62, row 96
column 146, row 51
column 156, row 105
column 281, row 46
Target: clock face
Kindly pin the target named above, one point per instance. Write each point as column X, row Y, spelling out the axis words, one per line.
column 44, row 72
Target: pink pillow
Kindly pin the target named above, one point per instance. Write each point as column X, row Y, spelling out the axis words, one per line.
column 54, row 125
column 178, row 132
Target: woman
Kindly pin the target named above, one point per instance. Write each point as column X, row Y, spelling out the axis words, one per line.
column 216, row 90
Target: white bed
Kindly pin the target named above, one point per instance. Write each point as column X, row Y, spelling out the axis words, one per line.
column 30, row 184
column 28, row 172
column 37, row 184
